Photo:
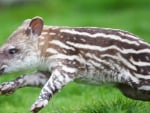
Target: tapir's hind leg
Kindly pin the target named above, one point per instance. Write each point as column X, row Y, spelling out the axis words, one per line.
column 134, row 93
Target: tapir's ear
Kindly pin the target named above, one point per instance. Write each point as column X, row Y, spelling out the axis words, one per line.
column 35, row 26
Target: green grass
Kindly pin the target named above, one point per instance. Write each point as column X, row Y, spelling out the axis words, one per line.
column 129, row 15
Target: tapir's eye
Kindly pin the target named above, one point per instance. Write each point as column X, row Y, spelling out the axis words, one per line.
column 12, row 51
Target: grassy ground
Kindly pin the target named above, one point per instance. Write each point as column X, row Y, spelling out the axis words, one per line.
column 129, row 15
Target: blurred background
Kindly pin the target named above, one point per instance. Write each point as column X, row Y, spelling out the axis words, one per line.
column 128, row 15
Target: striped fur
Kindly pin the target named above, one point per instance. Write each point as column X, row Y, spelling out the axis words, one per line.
column 86, row 55
column 101, row 46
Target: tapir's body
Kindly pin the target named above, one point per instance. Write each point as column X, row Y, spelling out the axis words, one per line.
column 86, row 55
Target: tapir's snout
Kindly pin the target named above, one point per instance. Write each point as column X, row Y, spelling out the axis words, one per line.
column 2, row 63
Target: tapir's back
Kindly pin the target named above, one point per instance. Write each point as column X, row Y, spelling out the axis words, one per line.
column 108, row 47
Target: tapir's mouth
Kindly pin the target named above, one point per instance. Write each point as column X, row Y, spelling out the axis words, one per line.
column 2, row 71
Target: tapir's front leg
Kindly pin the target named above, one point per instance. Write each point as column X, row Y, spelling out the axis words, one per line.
column 34, row 80
column 59, row 78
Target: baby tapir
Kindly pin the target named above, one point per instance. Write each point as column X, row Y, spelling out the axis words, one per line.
column 82, row 54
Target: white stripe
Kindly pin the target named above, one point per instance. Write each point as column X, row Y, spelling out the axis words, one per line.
column 54, row 27
column 129, row 35
column 47, row 88
column 142, row 42
column 99, row 48
column 147, row 57
column 96, row 64
column 61, row 78
column 51, row 50
column 41, row 43
column 111, row 36
column 126, row 62
column 139, row 63
column 58, row 74
column 83, row 40
column 61, row 44
column 144, row 87
column 134, row 37
column 51, row 33
column 121, row 59
column 68, row 57
column 69, row 69
column 44, row 33
column 101, row 62
column 142, row 76
column 96, row 58
column 118, row 57
column 41, row 37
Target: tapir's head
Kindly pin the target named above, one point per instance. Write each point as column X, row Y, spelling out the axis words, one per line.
column 20, row 52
